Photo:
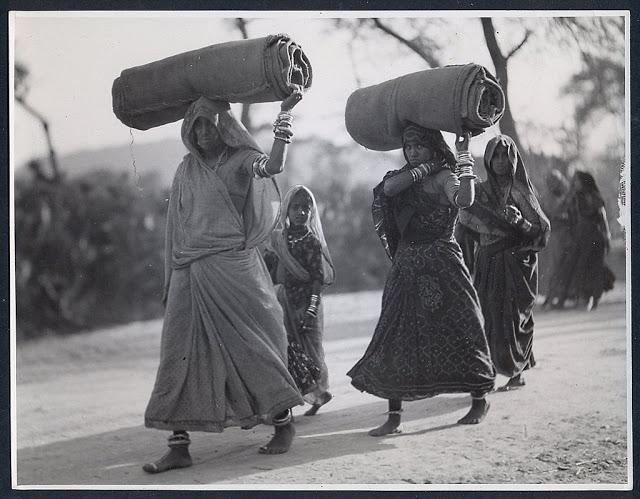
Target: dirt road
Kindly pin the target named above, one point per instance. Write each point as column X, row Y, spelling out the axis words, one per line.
column 80, row 403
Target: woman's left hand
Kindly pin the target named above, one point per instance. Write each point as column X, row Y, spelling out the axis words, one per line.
column 290, row 102
column 309, row 322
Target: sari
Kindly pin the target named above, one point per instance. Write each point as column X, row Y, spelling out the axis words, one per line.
column 503, row 260
column 223, row 354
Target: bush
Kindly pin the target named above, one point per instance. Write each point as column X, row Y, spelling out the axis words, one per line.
column 89, row 252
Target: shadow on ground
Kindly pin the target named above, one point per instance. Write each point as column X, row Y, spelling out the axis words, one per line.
column 116, row 457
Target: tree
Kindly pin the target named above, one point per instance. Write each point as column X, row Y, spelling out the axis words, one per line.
column 21, row 89
column 500, row 62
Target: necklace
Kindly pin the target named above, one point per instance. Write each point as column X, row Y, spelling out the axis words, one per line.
column 294, row 240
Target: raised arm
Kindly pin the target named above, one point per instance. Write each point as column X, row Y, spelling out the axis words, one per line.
column 274, row 163
column 398, row 183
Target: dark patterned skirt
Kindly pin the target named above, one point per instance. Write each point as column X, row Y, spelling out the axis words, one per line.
column 429, row 338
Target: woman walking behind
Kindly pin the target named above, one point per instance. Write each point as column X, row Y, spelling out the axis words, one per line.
column 429, row 339
column 589, row 276
column 510, row 228
column 304, row 267
column 223, row 354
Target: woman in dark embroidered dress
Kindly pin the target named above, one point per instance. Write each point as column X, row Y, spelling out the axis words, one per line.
column 429, row 338
column 509, row 228
column 304, row 266
column 588, row 277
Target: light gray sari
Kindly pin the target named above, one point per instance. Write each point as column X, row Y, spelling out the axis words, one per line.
column 224, row 348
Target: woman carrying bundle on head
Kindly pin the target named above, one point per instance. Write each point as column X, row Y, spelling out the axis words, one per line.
column 509, row 228
column 429, row 339
column 223, row 359
column 304, row 267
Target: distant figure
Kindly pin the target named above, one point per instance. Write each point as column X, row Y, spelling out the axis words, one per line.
column 223, row 359
column 430, row 338
column 303, row 268
column 560, row 240
column 586, row 274
column 509, row 228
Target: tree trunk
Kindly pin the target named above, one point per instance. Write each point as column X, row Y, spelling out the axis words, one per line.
column 245, row 116
column 507, row 123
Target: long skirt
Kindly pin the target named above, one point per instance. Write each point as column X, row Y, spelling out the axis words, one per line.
column 223, row 354
column 429, row 338
column 590, row 276
column 507, row 283
column 311, row 341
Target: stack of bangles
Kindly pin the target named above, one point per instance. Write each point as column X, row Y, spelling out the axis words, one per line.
column 312, row 309
column 420, row 172
column 464, row 165
column 282, row 127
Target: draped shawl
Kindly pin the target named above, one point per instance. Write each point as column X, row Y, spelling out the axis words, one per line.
column 279, row 239
column 191, row 233
column 485, row 216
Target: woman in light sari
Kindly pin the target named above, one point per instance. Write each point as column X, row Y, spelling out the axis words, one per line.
column 223, row 359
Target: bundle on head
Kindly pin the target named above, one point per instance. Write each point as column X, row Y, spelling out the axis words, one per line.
column 457, row 99
column 257, row 70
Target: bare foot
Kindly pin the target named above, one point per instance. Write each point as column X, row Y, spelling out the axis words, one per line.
column 513, row 384
column 479, row 409
column 387, row 428
column 314, row 408
column 281, row 441
column 177, row 457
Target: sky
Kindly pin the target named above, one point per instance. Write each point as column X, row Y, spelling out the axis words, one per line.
column 73, row 58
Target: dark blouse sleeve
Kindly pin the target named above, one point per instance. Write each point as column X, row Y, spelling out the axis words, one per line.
column 313, row 259
column 382, row 214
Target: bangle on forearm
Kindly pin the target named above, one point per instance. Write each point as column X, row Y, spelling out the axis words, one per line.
column 465, row 171
column 416, row 175
column 314, row 303
column 464, row 165
column 260, row 167
column 283, row 137
column 282, row 127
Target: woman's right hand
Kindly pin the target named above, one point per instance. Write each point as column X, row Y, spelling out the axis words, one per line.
column 290, row 102
column 512, row 214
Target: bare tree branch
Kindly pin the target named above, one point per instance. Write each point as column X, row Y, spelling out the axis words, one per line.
column 520, row 45
column 428, row 57
column 507, row 123
column 55, row 169
column 352, row 58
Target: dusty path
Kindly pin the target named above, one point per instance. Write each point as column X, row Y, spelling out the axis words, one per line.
column 80, row 403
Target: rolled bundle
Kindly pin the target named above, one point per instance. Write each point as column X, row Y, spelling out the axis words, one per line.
column 452, row 98
column 257, row 70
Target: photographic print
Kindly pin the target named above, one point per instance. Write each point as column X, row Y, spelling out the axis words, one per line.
column 320, row 250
